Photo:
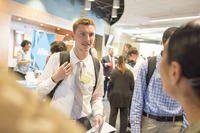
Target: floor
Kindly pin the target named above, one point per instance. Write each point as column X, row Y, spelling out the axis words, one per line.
column 107, row 112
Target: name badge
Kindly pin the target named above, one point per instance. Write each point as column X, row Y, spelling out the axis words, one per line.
column 85, row 78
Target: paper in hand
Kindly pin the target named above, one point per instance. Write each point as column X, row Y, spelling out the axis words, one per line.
column 105, row 128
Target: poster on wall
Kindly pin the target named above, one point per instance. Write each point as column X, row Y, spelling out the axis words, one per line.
column 41, row 41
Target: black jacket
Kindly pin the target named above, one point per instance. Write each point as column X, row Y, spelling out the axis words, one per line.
column 121, row 88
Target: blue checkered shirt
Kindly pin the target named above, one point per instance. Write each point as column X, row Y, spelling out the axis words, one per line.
column 151, row 99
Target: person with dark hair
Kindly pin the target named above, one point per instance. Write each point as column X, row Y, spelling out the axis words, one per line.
column 56, row 46
column 80, row 94
column 180, row 71
column 121, row 86
column 152, row 111
column 125, row 49
column 23, row 60
column 133, row 55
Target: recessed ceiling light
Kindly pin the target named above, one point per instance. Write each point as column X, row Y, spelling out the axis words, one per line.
column 114, row 13
column 116, row 4
column 19, row 19
column 140, row 39
column 174, row 19
column 87, row 5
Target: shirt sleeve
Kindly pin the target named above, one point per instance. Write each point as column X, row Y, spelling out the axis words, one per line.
column 96, row 101
column 185, row 122
column 19, row 56
column 137, row 66
column 138, row 100
column 45, row 83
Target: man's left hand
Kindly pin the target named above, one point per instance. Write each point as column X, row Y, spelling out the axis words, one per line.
column 98, row 120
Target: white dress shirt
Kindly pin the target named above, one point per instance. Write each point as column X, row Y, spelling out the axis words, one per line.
column 64, row 95
column 137, row 66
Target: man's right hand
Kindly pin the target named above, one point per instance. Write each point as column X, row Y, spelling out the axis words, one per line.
column 63, row 71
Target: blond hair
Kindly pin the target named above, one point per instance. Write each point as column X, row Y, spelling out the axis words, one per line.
column 22, row 111
column 82, row 21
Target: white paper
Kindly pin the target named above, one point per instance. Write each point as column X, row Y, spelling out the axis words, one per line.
column 106, row 128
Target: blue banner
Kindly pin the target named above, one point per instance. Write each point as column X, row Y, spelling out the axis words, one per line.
column 41, row 48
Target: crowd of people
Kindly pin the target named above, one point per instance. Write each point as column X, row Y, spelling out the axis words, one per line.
column 160, row 93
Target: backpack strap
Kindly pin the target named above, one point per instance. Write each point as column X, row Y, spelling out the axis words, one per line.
column 96, row 69
column 90, row 51
column 151, row 68
column 64, row 56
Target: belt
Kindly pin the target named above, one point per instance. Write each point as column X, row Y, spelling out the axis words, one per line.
column 164, row 118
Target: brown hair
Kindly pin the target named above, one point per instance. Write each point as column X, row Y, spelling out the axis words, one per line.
column 167, row 34
column 128, row 45
column 58, row 46
column 121, row 64
column 82, row 21
column 133, row 50
column 25, row 42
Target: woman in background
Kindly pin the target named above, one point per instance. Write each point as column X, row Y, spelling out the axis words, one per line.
column 121, row 87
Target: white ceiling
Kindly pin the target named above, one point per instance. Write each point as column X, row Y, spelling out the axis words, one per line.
column 138, row 15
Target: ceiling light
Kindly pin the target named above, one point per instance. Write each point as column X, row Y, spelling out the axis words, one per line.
column 41, row 24
column 114, row 13
column 87, row 5
column 174, row 19
column 58, row 28
column 140, row 39
column 91, row 0
column 116, row 4
column 19, row 19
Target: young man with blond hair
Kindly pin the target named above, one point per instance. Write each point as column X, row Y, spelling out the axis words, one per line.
column 77, row 95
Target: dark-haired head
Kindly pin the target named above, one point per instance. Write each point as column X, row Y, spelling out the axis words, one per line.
column 184, row 48
column 133, row 50
column 24, row 43
column 167, row 34
column 58, row 46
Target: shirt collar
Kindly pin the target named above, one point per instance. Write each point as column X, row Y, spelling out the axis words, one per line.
column 74, row 58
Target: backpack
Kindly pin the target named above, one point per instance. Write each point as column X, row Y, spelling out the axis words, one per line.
column 151, row 68
column 65, row 56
